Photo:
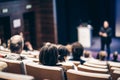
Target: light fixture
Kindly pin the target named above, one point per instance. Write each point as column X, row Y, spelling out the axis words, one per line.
column 5, row 10
column 29, row 6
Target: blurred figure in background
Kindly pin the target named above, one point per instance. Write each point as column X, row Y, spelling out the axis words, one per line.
column 48, row 55
column 77, row 52
column 16, row 47
column 86, row 55
column 28, row 46
column 63, row 53
column 102, row 55
column 115, row 56
column 106, row 37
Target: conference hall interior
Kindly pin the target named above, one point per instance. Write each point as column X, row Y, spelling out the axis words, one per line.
column 59, row 39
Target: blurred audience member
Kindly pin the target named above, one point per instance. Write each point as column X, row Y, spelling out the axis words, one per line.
column 77, row 52
column 48, row 55
column 102, row 55
column 115, row 56
column 86, row 55
column 16, row 47
column 28, row 46
column 63, row 52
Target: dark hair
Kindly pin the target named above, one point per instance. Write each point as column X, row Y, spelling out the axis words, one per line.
column 115, row 56
column 98, row 57
column 16, row 44
column 62, row 53
column 102, row 55
column 77, row 50
column 15, row 47
column 86, row 54
column 48, row 55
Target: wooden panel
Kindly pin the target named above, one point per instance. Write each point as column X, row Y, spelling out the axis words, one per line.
column 44, row 24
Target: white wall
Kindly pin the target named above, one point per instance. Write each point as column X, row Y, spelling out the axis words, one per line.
column 117, row 30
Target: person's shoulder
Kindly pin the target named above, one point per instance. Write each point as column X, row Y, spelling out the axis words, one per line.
column 101, row 28
column 110, row 29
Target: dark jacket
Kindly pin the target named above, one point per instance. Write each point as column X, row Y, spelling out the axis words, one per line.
column 108, row 31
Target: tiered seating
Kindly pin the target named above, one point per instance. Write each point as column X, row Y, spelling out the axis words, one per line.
column 92, row 69
column 14, row 66
column 97, row 62
column 95, row 65
column 66, row 65
column 116, row 74
column 41, row 72
column 113, row 68
column 12, row 76
column 81, row 75
column 75, row 62
column 113, row 64
column 3, row 66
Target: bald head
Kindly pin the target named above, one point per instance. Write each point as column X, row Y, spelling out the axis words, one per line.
column 102, row 55
column 106, row 24
column 16, row 44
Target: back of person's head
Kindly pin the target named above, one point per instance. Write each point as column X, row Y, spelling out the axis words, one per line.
column 77, row 50
column 63, row 52
column 102, row 55
column 48, row 55
column 86, row 54
column 115, row 56
column 16, row 44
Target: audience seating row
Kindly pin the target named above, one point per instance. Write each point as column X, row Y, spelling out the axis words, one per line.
column 3, row 66
column 92, row 69
column 95, row 66
column 13, row 66
column 115, row 75
column 88, row 71
column 81, row 75
column 13, row 76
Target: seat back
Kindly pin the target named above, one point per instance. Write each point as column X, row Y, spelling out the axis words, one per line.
column 12, row 76
column 95, row 65
column 3, row 66
column 81, row 75
column 98, row 62
column 118, row 78
column 13, row 66
column 66, row 65
column 91, row 69
column 41, row 72
column 75, row 62
column 116, row 74
column 113, row 68
column 113, row 64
